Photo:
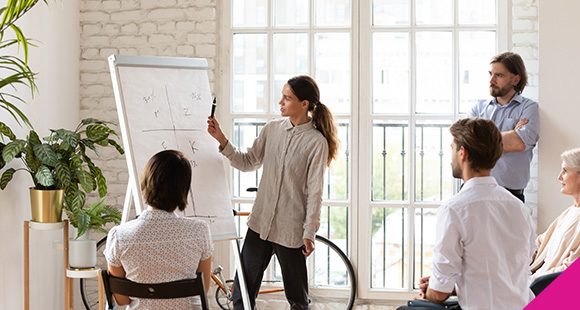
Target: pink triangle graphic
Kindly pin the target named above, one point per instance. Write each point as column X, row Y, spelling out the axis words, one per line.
column 559, row 294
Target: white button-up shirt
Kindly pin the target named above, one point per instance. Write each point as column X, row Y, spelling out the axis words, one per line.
column 484, row 245
column 287, row 206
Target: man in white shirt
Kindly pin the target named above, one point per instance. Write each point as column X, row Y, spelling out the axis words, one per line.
column 485, row 236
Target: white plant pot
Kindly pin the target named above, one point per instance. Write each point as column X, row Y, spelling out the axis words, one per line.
column 82, row 253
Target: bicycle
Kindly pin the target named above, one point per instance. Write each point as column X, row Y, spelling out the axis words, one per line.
column 331, row 279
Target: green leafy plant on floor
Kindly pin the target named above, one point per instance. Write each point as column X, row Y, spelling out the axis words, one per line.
column 95, row 217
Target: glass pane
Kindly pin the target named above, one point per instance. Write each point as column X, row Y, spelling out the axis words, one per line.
column 388, row 248
column 332, row 70
column 290, row 59
column 477, row 12
column 337, row 176
column 476, row 48
column 245, row 132
column 390, row 12
column 250, row 74
column 390, row 72
column 390, row 165
column 433, row 178
column 334, row 226
column 240, row 221
column 434, row 72
column 425, row 221
column 249, row 13
column 431, row 12
column 288, row 13
column 332, row 13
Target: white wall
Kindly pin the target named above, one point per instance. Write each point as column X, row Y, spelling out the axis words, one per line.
column 559, row 106
column 55, row 29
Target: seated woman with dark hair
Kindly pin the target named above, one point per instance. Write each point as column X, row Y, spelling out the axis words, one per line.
column 559, row 246
column 161, row 246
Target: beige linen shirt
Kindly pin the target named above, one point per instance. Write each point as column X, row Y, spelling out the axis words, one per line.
column 568, row 247
column 287, row 206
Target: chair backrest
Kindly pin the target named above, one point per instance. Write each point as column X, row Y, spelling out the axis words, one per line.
column 540, row 283
column 166, row 290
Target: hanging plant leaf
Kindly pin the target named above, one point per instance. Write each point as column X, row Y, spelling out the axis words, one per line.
column 86, row 180
column 46, row 154
column 6, row 177
column 44, row 176
column 63, row 174
column 5, row 130
column 12, row 149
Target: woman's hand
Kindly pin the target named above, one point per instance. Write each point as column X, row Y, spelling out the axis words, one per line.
column 214, row 130
column 308, row 247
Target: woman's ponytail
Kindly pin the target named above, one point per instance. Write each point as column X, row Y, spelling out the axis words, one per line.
column 305, row 88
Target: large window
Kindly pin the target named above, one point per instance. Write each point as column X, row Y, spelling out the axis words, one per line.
column 396, row 74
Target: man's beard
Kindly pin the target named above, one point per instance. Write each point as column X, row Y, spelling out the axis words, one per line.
column 456, row 171
column 499, row 92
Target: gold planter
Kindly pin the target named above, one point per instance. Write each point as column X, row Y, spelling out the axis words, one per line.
column 46, row 205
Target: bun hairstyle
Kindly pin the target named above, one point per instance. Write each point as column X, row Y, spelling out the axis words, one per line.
column 305, row 88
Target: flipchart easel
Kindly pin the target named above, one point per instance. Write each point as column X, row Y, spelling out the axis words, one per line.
column 163, row 103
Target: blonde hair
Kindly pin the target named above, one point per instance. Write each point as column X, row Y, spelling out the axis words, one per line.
column 305, row 88
column 571, row 158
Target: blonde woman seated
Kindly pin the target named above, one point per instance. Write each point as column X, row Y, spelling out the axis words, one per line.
column 559, row 246
column 161, row 246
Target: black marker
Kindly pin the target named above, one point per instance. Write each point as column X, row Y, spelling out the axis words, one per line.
column 213, row 107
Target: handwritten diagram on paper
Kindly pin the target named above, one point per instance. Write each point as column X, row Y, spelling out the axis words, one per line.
column 167, row 108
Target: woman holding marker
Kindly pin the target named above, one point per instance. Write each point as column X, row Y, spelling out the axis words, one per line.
column 294, row 152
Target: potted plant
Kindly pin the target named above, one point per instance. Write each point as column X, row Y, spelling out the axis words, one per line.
column 59, row 162
column 83, row 250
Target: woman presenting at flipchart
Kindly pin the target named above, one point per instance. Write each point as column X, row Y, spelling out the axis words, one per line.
column 286, row 215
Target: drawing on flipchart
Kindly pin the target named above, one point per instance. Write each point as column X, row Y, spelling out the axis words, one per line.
column 150, row 98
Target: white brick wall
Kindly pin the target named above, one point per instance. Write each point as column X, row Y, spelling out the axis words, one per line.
column 525, row 42
column 137, row 27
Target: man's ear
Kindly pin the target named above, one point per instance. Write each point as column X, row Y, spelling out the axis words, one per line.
column 517, row 79
column 463, row 154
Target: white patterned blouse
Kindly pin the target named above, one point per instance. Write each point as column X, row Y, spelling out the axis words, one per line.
column 159, row 246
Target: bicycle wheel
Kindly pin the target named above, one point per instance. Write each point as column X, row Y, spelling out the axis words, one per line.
column 222, row 299
column 90, row 286
column 331, row 280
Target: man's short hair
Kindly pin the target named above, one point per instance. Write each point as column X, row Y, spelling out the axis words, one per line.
column 166, row 180
column 514, row 64
column 481, row 139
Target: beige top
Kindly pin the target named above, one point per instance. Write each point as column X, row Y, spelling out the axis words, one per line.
column 567, row 247
column 287, row 206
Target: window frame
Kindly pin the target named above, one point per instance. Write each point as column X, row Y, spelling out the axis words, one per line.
column 359, row 205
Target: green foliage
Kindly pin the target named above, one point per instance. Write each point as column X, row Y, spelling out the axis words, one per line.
column 60, row 161
column 16, row 70
column 95, row 217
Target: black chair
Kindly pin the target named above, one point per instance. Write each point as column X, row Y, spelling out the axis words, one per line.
column 540, row 283
column 166, row 290
column 537, row 286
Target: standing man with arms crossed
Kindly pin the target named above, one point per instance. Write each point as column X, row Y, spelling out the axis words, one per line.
column 517, row 118
column 485, row 236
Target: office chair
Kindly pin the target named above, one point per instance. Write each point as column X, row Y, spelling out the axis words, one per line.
column 537, row 286
column 166, row 290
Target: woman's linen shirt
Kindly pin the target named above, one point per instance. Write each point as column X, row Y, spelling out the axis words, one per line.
column 287, row 206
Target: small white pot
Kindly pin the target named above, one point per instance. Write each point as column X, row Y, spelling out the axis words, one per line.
column 82, row 253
